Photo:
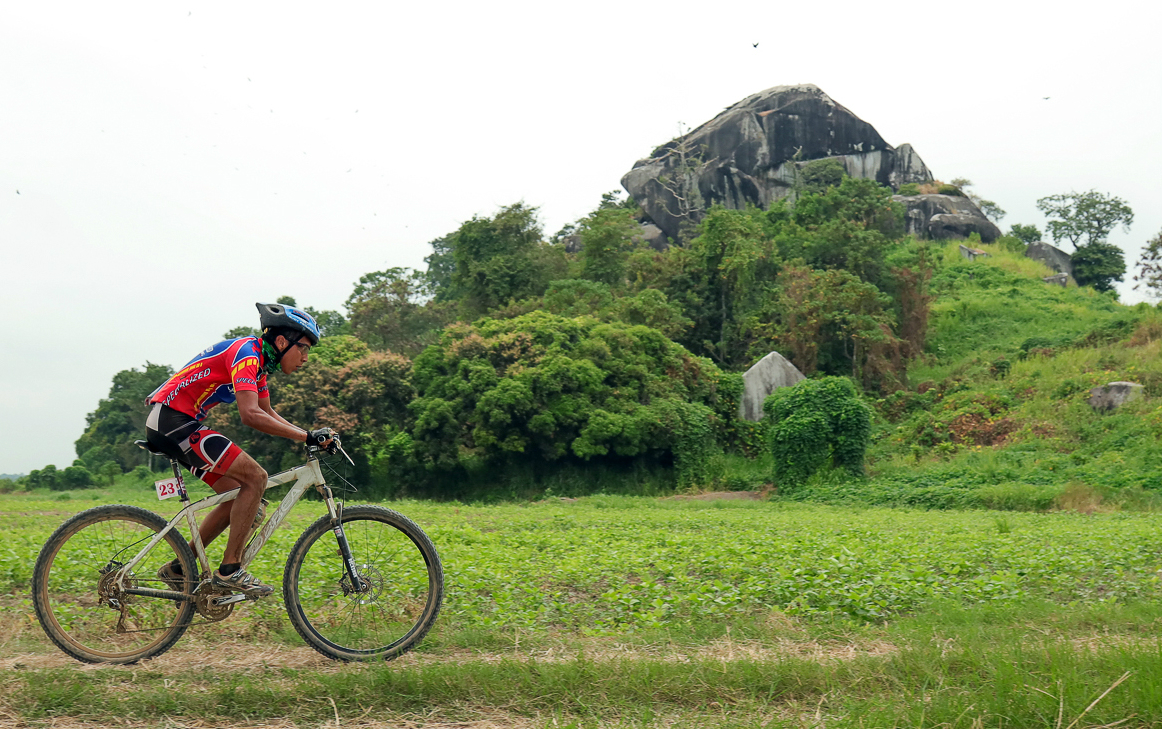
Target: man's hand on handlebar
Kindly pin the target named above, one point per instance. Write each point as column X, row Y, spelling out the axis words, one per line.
column 325, row 439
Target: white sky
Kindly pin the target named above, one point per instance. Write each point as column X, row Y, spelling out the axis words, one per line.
column 178, row 162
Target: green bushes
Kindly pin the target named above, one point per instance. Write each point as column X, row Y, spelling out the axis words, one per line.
column 815, row 424
column 546, row 388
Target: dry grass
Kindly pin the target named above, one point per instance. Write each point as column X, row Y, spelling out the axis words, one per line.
column 1082, row 498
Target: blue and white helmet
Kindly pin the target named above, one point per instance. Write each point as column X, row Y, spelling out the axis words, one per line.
column 280, row 315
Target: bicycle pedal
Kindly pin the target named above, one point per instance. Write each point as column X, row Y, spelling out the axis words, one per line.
column 228, row 599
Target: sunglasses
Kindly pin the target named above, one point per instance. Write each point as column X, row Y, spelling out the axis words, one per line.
column 304, row 348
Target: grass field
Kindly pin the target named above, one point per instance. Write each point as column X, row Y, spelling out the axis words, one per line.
column 618, row 611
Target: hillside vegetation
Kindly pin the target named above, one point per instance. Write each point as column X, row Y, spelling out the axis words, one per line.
column 514, row 367
column 996, row 413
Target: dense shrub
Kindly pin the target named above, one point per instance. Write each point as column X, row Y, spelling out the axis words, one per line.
column 547, row 388
column 816, row 424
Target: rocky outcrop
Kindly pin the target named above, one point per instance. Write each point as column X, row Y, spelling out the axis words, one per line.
column 1051, row 256
column 767, row 375
column 1114, row 395
column 652, row 236
column 944, row 217
column 748, row 155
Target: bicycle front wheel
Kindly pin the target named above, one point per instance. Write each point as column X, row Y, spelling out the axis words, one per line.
column 80, row 603
column 386, row 616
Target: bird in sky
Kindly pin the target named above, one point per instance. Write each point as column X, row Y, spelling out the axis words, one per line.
column 1045, row 98
column 18, row 192
column 754, row 45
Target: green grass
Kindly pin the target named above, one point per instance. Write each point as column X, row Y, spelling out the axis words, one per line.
column 1023, row 666
column 621, row 611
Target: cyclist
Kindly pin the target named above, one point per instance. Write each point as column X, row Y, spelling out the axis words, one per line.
column 233, row 370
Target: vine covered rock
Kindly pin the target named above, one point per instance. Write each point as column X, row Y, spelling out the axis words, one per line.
column 816, row 424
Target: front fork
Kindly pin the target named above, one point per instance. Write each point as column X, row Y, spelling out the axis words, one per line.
column 358, row 584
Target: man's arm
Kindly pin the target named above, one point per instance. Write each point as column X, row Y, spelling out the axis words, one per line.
column 258, row 414
column 264, row 403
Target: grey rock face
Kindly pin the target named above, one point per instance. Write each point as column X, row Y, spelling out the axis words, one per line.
column 1114, row 395
column 745, row 156
column 1051, row 256
column 652, row 236
column 1057, row 279
column 972, row 253
column 944, row 217
column 767, row 375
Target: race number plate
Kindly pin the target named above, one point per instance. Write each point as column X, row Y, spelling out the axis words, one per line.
column 166, row 489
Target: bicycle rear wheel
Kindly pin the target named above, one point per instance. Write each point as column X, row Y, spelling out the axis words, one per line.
column 78, row 603
column 398, row 605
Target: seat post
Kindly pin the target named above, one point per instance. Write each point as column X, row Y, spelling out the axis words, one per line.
column 177, row 473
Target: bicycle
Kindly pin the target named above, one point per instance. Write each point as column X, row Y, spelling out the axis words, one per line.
column 372, row 592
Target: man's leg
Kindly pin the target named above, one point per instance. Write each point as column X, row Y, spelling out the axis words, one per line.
column 250, row 479
column 219, row 517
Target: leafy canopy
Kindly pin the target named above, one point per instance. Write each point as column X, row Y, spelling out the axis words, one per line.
column 1084, row 218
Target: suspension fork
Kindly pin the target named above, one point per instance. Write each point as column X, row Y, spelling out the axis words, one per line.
column 349, row 566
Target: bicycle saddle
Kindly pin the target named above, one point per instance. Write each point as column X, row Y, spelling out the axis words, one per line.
column 145, row 446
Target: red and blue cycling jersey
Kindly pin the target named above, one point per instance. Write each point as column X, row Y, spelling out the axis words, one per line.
column 214, row 376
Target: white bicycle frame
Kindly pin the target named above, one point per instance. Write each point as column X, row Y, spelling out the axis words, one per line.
column 306, row 476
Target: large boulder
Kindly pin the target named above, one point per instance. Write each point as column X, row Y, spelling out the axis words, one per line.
column 944, row 217
column 748, row 155
column 1113, row 396
column 767, row 375
column 1051, row 256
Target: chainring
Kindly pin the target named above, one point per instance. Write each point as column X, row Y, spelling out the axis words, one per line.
column 207, row 609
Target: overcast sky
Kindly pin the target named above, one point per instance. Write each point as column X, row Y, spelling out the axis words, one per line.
column 176, row 163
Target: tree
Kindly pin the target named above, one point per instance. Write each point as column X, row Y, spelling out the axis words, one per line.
column 44, row 478
column 331, row 323
column 74, row 477
column 733, row 259
column 1099, row 265
column 1085, row 218
column 393, row 310
column 606, row 238
column 119, row 419
column 819, row 174
column 830, row 320
column 1025, row 233
column 497, row 260
column 1150, row 268
column 242, row 331
column 110, row 471
column 850, row 227
column 441, row 269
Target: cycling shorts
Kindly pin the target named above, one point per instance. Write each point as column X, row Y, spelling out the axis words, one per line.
column 205, row 452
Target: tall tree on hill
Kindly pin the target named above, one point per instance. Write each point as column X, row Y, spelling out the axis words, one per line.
column 732, row 259
column 606, row 238
column 1085, row 218
column 1149, row 274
